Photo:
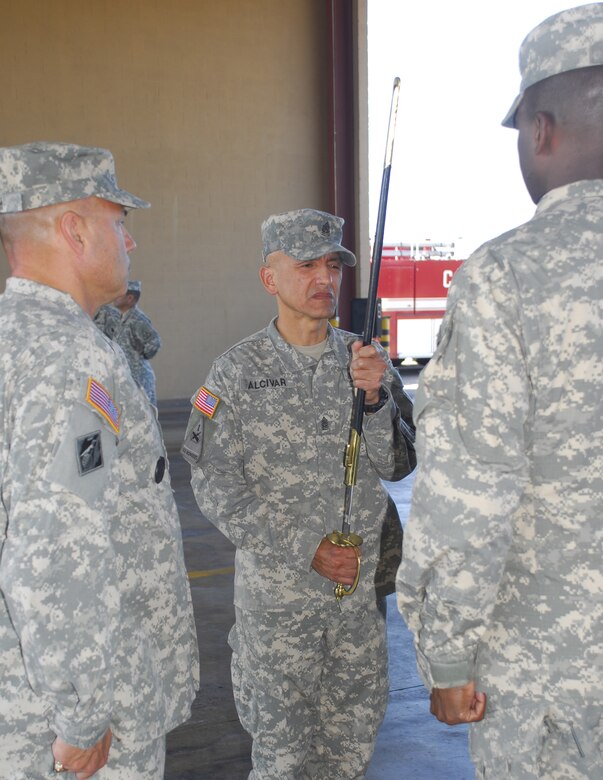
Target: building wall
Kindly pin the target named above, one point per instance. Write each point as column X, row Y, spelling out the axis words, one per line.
column 216, row 112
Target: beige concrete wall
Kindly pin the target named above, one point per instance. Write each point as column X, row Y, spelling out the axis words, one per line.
column 215, row 111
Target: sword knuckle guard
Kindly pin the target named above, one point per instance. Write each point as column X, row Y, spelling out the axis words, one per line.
column 347, row 540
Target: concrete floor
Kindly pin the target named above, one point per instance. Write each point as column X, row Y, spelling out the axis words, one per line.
column 212, row 745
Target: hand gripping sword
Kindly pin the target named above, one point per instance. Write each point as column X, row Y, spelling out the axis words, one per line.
column 345, row 538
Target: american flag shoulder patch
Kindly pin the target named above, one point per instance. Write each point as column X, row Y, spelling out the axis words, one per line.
column 206, row 402
column 99, row 398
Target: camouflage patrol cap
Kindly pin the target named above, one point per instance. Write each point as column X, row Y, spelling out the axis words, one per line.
column 569, row 40
column 305, row 234
column 43, row 173
column 134, row 286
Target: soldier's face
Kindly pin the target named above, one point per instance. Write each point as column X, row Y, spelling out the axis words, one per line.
column 110, row 245
column 307, row 287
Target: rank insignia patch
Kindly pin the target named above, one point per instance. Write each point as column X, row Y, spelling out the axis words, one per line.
column 206, row 402
column 99, row 398
column 89, row 453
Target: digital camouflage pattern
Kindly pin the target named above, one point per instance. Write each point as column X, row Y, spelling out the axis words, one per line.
column 267, row 470
column 501, row 579
column 305, row 234
column 566, row 41
column 108, row 319
column 281, row 660
column 43, row 173
column 140, row 342
column 96, row 623
column 268, row 467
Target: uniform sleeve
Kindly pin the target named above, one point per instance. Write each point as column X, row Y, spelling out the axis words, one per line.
column 213, row 447
column 57, row 565
column 389, row 433
column 472, row 410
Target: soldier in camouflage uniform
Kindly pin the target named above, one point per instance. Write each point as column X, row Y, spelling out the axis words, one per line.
column 97, row 637
column 135, row 334
column 502, row 574
column 108, row 319
column 266, row 439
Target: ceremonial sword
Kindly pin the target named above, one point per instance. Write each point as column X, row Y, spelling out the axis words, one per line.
column 345, row 538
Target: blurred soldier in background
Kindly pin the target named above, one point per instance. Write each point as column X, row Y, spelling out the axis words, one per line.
column 124, row 322
column 138, row 338
column 108, row 319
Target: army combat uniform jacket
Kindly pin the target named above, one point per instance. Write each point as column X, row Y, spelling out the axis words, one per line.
column 266, row 440
column 96, row 624
column 502, row 576
column 108, row 319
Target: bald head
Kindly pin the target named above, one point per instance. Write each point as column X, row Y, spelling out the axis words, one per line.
column 32, row 226
column 574, row 100
column 560, row 120
column 80, row 247
column 33, row 234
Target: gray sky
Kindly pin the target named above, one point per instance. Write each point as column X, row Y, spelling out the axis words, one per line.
column 455, row 175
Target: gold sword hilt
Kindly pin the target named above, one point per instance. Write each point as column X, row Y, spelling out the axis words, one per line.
column 346, row 540
column 351, row 458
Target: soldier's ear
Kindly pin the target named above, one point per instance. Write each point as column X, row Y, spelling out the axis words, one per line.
column 71, row 226
column 268, row 277
column 544, row 132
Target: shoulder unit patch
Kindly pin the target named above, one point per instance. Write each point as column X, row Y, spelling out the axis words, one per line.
column 89, row 452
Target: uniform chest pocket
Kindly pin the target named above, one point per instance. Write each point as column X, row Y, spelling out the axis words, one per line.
column 276, row 428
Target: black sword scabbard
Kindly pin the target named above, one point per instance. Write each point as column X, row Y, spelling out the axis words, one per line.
column 352, row 450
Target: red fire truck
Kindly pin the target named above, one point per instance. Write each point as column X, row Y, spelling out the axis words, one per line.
column 413, row 286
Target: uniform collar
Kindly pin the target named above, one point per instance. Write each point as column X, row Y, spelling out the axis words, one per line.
column 576, row 190
column 295, row 361
column 18, row 286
